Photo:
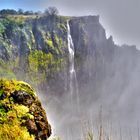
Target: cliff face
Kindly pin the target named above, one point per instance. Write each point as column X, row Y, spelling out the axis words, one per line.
column 87, row 32
column 106, row 73
column 21, row 35
column 35, row 50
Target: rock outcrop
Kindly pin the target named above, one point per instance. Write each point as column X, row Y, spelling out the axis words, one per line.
column 21, row 113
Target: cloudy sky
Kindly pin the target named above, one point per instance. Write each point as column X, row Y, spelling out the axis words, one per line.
column 120, row 18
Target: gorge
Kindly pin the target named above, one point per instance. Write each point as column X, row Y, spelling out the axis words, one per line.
column 76, row 68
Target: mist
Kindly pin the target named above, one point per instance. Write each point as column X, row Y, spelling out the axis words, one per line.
column 95, row 89
column 108, row 82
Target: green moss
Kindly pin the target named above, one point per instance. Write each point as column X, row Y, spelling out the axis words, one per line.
column 11, row 114
column 10, row 86
column 21, row 110
column 62, row 26
column 30, row 116
column 2, row 28
column 38, row 63
column 50, row 43
column 56, row 38
column 20, row 20
column 1, row 92
column 14, row 132
column 17, row 110
column 2, row 113
column 20, row 85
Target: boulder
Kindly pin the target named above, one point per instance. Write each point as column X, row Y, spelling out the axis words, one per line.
column 21, row 114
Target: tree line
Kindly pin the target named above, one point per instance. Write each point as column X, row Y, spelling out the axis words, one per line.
column 48, row 11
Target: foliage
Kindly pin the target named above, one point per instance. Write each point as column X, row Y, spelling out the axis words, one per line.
column 1, row 92
column 5, row 12
column 41, row 64
column 28, row 13
column 11, row 114
column 8, row 11
column 18, row 20
column 14, row 132
column 10, row 26
column 50, row 43
column 39, row 60
column 10, row 86
column 34, row 64
column 20, row 11
column 2, row 28
column 51, row 11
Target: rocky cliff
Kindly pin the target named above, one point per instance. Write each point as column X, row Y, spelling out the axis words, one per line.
column 35, row 49
column 21, row 114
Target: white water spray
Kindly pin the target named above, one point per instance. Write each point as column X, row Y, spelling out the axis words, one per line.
column 73, row 85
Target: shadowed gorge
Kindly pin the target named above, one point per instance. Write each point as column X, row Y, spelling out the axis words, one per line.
column 70, row 58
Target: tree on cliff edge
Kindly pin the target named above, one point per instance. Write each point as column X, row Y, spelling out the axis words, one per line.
column 51, row 11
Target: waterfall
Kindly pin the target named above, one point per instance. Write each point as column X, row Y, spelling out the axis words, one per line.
column 73, row 84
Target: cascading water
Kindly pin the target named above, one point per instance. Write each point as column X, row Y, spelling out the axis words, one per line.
column 73, row 85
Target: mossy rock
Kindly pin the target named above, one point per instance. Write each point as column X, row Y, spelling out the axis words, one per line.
column 21, row 114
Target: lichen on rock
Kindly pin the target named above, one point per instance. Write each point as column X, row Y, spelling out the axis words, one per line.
column 21, row 114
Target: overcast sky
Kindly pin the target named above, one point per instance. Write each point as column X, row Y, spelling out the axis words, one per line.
column 120, row 18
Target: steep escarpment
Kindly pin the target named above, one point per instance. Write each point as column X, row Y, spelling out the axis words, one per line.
column 87, row 31
column 100, row 63
column 98, row 57
column 35, row 49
